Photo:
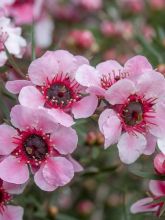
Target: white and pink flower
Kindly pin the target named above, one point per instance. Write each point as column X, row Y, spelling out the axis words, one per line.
column 55, row 89
column 37, row 143
column 152, row 203
column 6, row 194
column 10, row 36
column 134, row 119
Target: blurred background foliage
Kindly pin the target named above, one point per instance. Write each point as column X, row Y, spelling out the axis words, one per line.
column 106, row 188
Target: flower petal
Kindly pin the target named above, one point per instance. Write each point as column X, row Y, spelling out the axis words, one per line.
column 43, row 69
column 6, row 139
column 65, row 140
column 157, row 187
column 120, row 91
column 85, row 107
column 14, row 188
column 142, row 206
column 59, row 116
column 31, row 97
column 145, row 85
column 58, row 171
column 15, row 86
column 87, row 76
column 12, row 213
column 23, row 117
column 77, row 167
column 110, row 126
column 151, row 144
column 66, row 61
column 41, row 182
column 131, row 147
column 109, row 67
column 13, row 171
column 136, row 66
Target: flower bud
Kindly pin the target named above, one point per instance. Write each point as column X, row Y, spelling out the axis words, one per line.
column 159, row 163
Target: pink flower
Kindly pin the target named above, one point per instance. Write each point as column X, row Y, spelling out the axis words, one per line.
column 135, row 118
column 39, row 143
column 159, row 163
column 55, row 88
column 24, row 12
column 8, row 211
column 81, row 38
column 157, row 4
column 157, row 190
column 101, row 78
column 10, row 36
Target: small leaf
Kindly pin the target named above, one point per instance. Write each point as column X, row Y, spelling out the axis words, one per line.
column 147, row 175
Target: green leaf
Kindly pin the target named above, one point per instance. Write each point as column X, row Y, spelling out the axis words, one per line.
column 65, row 217
column 4, row 109
column 150, row 48
column 147, row 175
column 96, row 171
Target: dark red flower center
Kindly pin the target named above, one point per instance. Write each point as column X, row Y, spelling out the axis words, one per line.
column 61, row 92
column 35, row 147
column 133, row 113
column 136, row 113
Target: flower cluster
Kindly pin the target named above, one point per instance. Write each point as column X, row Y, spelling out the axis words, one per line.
column 61, row 88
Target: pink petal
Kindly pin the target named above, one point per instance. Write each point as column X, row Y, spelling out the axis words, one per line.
column 15, row 86
column 23, row 117
column 137, row 66
column 66, row 61
column 12, row 213
column 159, row 163
column 142, row 206
column 14, row 188
column 13, row 171
column 110, row 126
column 131, row 147
column 158, row 121
column 161, row 145
column 43, row 68
column 80, row 60
column 87, row 76
column 146, row 86
column 31, row 97
column 157, row 187
column 6, row 139
column 111, row 67
column 65, row 140
column 61, row 117
column 85, row 107
column 120, row 91
column 98, row 91
column 76, row 165
column 41, row 182
column 58, row 171
column 151, row 144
